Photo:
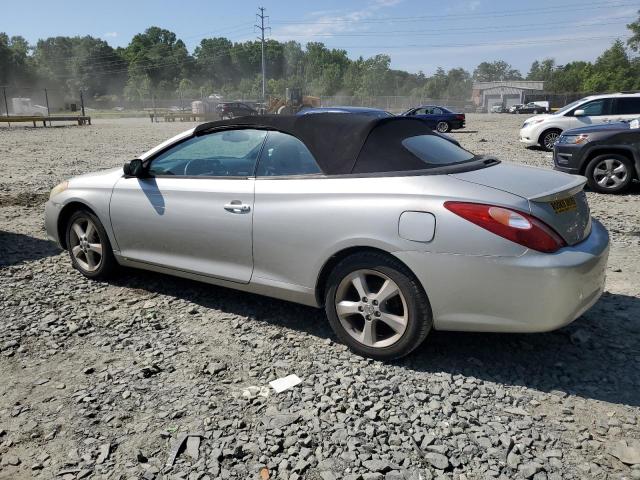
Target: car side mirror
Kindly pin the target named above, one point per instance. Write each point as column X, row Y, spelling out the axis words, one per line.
column 579, row 113
column 133, row 168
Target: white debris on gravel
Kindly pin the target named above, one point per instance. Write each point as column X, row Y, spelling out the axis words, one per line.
column 285, row 383
column 108, row 380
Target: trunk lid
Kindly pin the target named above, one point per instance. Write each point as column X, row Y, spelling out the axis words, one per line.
column 555, row 198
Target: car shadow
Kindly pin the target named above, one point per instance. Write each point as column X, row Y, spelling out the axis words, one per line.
column 567, row 361
column 632, row 189
column 17, row 248
column 574, row 360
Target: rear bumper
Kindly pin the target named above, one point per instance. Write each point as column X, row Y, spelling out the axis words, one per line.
column 456, row 124
column 535, row 292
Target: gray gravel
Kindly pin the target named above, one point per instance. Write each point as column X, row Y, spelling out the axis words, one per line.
column 144, row 377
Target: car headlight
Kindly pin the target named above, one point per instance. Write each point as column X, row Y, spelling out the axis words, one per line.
column 573, row 139
column 532, row 122
column 61, row 187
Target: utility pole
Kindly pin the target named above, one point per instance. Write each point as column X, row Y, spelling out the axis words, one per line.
column 262, row 28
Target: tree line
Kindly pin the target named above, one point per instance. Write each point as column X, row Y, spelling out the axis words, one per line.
column 158, row 63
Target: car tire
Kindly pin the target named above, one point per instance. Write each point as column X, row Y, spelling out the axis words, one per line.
column 609, row 173
column 365, row 324
column 443, row 127
column 548, row 138
column 89, row 247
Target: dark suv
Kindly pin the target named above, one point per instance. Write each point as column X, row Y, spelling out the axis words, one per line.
column 234, row 109
column 608, row 154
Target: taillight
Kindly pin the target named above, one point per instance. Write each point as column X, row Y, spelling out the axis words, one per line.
column 460, row 116
column 519, row 227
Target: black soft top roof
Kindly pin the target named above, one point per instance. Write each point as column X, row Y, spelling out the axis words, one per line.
column 337, row 139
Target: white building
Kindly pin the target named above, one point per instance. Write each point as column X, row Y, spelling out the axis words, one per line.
column 506, row 93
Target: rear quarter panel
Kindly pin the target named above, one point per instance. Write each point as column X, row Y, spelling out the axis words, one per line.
column 299, row 224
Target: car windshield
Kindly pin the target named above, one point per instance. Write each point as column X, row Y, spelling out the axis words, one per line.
column 569, row 107
column 436, row 151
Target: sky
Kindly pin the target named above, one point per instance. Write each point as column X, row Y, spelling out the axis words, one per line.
column 418, row 35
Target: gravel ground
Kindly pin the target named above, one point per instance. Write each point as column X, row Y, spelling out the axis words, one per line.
column 114, row 380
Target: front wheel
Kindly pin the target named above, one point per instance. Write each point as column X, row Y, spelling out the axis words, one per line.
column 377, row 307
column 549, row 138
column 89, row 246
column 443, row 127
column 609, row 173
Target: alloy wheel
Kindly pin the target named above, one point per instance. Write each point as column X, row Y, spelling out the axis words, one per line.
column 442, row 127
column 550, row 139
column 371, row 308
column 85, row 244
column 610, row 173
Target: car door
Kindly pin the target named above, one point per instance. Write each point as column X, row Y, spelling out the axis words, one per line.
column 438, row 115
column 595, row 112
column 625, row 108
column 284, row 207
column 193, row 209
column 425, row 114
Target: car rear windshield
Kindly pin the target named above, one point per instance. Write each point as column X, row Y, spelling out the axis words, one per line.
column 436, row 151
column 406, row 144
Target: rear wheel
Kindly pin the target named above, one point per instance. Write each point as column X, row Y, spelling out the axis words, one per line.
column 89, row 246
column 549, row 138
column 609, row 173
column 443, row 127
column 377, row 307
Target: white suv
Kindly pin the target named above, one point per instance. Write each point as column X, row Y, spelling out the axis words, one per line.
column 545, row 129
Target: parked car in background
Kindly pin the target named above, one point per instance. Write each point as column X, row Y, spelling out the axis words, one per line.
column 533, row 107
column 369, row 112
column 438, row 118
column 235, row 109
column 514, row 108
column 390, row 227
column 496, row 109
column 608, row 154
column 544, row 130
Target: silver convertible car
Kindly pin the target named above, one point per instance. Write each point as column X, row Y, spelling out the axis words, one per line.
column 392, row 228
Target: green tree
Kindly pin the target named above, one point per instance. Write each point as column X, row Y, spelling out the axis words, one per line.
column 497, row 70
column 634, row 40
column 213, row 59
column 543, row 70
column 160, row 55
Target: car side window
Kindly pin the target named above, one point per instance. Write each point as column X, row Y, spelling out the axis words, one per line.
column 595, row 108
column 284, row 154
column 437, row 111
column 229, row 153
column 627, row 106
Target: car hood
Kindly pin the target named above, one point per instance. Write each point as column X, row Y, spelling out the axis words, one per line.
column 620, row 126
column 103, row 178
column 541, row 116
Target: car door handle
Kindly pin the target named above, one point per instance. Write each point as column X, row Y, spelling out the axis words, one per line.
column 237, row 207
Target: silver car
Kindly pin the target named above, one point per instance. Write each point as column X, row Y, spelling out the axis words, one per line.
column 394, row 229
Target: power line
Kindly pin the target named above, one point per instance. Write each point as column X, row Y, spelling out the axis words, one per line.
column 501, row 44
column 262, row 28
column 554, row 41
column 245, row 29
column 467, row 31
column 492, row 14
